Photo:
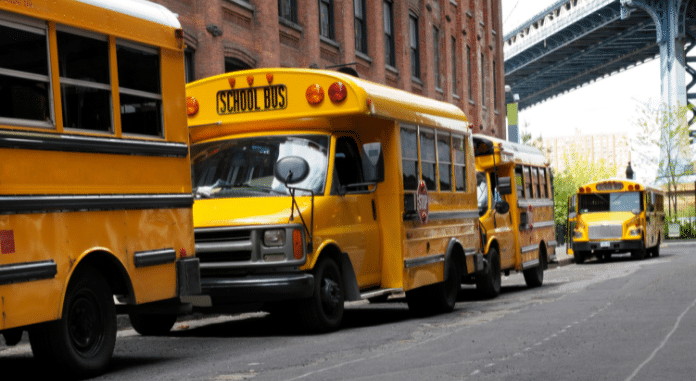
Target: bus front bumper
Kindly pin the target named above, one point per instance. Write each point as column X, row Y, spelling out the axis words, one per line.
column 607, row 246
column 258, row 288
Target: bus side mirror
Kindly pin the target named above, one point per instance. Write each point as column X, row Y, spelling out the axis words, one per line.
column 504, row 185
column 373, row 162
column 502, row 207
column 291, row 169
column 635, row 211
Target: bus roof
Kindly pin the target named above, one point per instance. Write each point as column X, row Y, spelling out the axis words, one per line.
column 363, row 97
column 506, row 151
column 141, row 9
column 626, row 182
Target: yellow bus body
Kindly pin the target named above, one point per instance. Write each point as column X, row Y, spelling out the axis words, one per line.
column 523, row 237
column 616, row 215
column 386, row 249
column 104, row 192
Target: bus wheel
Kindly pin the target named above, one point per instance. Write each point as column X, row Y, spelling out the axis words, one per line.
column 488, row 283
column 579, row 257
column 534, row 277
column 323, row 312
column 82, row 342
column 436, row 298
column 656, row 249
column 152, row 324
column 639, row 254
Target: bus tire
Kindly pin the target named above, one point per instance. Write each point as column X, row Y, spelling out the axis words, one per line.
column 579, row 257
column 82, row 342
column 152, row 324
column 488, row 283
column 323, row 312
column 639, row 254
column 534, row 277
column 656, row 249
column 436, row 298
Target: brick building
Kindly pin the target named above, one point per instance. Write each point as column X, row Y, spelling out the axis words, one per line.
column 450, row 50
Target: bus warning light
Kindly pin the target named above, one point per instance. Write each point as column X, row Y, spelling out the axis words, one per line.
column 191, row 106
column 314, row 94
column 231, row 81
column 337, row 92
column 250, row 80
column 269, row 78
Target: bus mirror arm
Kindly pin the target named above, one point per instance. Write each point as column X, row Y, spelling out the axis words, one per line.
column 293, row 206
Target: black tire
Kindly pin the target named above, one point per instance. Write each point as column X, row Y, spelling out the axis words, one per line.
column 579, row 257
column 489, row 282
column 656, row 250
column 323, row 312
column 439, row 297
column 534, row 277
column 152, row 324
column 82, row 342
column 639, row 254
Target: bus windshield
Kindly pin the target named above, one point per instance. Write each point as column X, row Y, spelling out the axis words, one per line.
column 609, row 202
column 244, row 167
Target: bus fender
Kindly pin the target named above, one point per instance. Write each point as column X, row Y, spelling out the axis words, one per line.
column 350, row 281
column 454, row 248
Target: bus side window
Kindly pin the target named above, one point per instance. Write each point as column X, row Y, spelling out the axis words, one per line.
column 140, row 92
column 528, row 186
column 543, row 183
column 428, row 159
column 536, row 182
column 459, row 163
column 409, row 157
column 519, row 181
column 347, row 163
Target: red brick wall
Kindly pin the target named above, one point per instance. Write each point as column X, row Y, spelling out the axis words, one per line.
column 252, row 33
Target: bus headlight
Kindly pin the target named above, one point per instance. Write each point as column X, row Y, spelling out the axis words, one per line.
column 634, row 232
column 275, row 237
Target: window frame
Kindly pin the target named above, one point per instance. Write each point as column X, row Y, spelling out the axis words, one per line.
column 413, row 128
column 454, row 65
column 293, row 10
column 389, row 40
column 360, row 24
column 329, row 32
column 414, row 45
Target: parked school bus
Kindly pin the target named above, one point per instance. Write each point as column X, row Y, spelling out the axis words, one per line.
column 314, row 187
column 95, row 186
column 613, row 216
column 515, row 200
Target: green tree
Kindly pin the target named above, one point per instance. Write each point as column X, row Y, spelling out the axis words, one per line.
column 578, row 170
column 663, row 142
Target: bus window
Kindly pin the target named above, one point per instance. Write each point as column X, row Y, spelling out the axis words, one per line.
column 519, row 181
column 482, row 192
column 542, row 183
column 444, row 159
column 85, row 81
column 536, row 183
column 25, row 56
column 347, row 164
column 139, row 89
column 409, row 157
column 528, row 186
column 459, row 163
column 609, row 202
column 427, row 146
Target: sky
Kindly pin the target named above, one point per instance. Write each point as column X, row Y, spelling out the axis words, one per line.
column 606, row 106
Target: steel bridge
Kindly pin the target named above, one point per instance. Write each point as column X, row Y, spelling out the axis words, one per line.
column 576, row 42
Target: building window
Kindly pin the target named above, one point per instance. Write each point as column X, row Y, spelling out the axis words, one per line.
column 468, row 72
column 360, row 26
column 389, row 49
column 413, row 43
column 188, row 65
column 454, row 66
column 495, row 88
column 287, row 10
column 483, row 80
column 326, row 21
column 436, row 53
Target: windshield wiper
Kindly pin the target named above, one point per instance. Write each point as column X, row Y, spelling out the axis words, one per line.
column 260, row 187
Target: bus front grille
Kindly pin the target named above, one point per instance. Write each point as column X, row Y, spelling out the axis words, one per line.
column 224, row 246
column 605, row 231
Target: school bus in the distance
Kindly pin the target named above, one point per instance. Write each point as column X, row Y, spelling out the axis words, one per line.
column 515, row 200
column 613, row 216
column 95, row 180
column 315, row 187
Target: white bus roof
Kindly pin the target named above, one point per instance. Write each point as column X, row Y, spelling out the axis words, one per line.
column 139, row 8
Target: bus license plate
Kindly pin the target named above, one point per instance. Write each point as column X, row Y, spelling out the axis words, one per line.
column 253, row 99
column 604, row 244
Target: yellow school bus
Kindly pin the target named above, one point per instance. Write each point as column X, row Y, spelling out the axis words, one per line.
column 614, row 216
column 515, row 201
column 315, row 187
column 95, row 186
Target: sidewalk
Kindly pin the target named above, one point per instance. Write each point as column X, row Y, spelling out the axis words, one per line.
column 562, row 259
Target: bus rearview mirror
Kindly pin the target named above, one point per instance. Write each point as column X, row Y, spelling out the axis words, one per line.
column 291, row 169
column 504, row 185
column 373, row 162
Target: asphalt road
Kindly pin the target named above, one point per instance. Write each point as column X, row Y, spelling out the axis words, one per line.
column 619, row 320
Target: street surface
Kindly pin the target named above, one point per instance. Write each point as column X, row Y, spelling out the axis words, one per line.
column 619, row 320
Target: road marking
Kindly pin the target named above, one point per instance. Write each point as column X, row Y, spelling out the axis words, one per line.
column 662, row 344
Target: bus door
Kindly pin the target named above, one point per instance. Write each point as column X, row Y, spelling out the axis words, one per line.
column 504, row 230
column 356, row 213
column 571, row 222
